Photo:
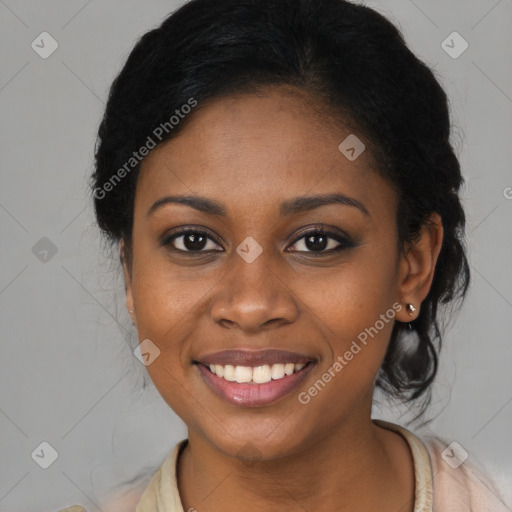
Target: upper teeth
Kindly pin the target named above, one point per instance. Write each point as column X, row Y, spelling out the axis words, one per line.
column 256, row 374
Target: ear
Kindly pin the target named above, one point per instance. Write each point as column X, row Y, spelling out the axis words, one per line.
column 127, row 280
column 417, row 267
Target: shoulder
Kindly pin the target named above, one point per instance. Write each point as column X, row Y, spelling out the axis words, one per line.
column 126, row 498
column 121, row 500
column 460, row 483
column 143, row 492
column 448, row 479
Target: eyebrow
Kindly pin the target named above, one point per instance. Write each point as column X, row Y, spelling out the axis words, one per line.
column 289, row 207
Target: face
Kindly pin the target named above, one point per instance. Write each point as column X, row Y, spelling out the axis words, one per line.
column 252, row 274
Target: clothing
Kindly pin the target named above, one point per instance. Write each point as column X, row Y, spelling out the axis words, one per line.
column 439, row 487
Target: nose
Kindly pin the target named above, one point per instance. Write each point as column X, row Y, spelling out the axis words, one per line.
column 254, row 296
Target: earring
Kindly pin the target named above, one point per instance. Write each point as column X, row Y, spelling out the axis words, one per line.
column 411, row 309
column 130, row 311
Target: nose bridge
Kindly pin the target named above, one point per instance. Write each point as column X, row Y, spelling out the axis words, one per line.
column 252, row 294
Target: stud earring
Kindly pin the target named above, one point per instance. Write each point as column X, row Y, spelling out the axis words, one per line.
column 411, row 309
column 130, row 311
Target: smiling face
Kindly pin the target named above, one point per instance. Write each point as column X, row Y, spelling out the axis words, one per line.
column 251, row 157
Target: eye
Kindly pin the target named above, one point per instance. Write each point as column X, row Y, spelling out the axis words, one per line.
column 191, row 240
column 321, row 241
column 315, row 240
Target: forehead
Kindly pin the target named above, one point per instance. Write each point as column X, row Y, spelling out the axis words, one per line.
column 242, row 148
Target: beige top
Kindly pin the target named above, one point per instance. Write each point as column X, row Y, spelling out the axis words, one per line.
column 444, row 482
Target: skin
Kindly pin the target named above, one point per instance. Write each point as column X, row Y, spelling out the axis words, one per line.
column 250, row 153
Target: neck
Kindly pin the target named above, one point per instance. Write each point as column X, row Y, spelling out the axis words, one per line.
column 360, row 466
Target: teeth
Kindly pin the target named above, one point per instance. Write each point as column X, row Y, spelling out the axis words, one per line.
column 243, row 374
column 219, row 370
column 277, row 371
column 289, row 368
column 257, row 374
column 261, row 374
column 229, row 372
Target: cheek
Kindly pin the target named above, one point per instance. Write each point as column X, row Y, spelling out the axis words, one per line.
column 354, row 311
column 352, row 297
column 166, row 315
column 166, row 298
column 357, row 332
column 169, row 304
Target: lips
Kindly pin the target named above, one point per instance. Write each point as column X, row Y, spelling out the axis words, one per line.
column 254, row 378
column 254, row 358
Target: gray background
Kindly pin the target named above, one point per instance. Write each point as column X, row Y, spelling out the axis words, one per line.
column 68, row 376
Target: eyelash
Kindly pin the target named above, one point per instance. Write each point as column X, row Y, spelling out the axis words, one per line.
column 345, row 242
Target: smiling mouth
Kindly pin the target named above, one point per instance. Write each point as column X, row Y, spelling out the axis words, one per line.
column 254, row 378
column 255, row 374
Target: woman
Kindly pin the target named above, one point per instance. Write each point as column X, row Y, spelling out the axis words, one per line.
column 279, row 179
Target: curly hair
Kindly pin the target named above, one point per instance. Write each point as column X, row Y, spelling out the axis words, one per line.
column 356, row 62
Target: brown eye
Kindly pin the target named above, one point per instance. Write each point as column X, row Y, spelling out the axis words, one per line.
column 320, row 241
column 191, row 241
